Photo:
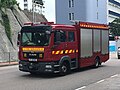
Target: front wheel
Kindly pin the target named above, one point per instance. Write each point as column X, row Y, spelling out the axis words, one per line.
column 64, row 69
column 33, row 73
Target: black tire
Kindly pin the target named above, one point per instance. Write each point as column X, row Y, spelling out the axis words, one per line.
column 33, row 73
column 64, row 69
column 118, row 57
column 97, row 63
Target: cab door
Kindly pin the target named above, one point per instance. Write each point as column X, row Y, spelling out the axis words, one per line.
column 60, row 44
column 72, row 48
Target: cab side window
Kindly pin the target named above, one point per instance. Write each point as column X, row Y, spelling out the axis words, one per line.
column 60, row 36
column 71, row 36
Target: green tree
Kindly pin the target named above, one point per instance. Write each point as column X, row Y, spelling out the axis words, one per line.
column 115, row 27
column 7, row 3
column 5, row 20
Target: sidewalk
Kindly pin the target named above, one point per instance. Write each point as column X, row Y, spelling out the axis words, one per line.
column 113, row 55
column 7, row 63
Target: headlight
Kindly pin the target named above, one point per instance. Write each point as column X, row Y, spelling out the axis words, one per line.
column 25, row 55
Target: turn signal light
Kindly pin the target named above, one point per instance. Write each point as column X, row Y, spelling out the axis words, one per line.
column 41, row 55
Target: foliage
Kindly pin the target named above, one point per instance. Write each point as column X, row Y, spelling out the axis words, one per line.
column 6, row 24
column 18, row 6
column 115, row 27
column 7, row 3
column 1, row 22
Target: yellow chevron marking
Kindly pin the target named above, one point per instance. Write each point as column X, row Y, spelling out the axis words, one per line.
column 53, row 52
column 70, row 51
column 61, row 52
column 66, row 51
column 57, row 52
column 73, row 51
column 76, row 50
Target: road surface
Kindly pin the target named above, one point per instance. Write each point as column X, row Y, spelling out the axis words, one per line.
column 12, row 79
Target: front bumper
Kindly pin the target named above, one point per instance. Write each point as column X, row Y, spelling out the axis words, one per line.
column 39, row 67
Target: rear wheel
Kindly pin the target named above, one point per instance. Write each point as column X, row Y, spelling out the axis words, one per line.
column 97, row 63
column 64, row 68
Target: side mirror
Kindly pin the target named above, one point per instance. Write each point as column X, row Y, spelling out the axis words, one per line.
column 53, row 31
column 18, row 41
column 57, row 43
column 48, row 32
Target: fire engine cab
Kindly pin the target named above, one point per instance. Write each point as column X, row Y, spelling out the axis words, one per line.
column 58, row 48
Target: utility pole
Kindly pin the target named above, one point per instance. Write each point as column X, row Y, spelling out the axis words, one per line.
column 33, row 9
column 34, row 4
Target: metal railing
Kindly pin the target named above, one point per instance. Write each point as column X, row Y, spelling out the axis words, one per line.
column 8, row 57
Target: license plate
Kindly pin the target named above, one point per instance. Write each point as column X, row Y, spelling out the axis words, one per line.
column 33, row 60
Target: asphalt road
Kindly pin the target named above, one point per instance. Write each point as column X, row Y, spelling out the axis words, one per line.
column 12, row 79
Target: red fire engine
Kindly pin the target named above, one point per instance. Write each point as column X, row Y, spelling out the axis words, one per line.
column 57, row 48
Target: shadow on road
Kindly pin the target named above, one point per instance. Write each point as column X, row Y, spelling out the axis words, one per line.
column 41, row 75
column 51, row 76
column 87, row 68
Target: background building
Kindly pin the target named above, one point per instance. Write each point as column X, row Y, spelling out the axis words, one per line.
column 81, row 10
column 48, row 11
column 25, row 4
column 113, row 10
column 84, row 10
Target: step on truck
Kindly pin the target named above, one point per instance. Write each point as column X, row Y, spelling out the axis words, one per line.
column 59, row 48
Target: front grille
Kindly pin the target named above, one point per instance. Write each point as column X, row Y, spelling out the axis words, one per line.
column 33, row 55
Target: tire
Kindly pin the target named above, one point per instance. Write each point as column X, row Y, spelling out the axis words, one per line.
column 118, row 57
column 97, row 63
column 33, row 73
column 64, row 69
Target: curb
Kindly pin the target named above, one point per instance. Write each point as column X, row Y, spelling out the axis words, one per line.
column 8, row 64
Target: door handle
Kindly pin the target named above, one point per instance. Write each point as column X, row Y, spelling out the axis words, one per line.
column 65, row 45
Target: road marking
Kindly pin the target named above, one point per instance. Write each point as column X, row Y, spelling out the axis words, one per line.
column 81, row 88
column 114, row 76
column 101, row 81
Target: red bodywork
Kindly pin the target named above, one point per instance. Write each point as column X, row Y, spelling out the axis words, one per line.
column 72, row 50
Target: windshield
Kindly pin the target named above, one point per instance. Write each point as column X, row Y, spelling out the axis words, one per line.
column 35, row 39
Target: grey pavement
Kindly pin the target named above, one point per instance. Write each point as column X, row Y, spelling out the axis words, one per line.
column 2, row 64
column 111, row 83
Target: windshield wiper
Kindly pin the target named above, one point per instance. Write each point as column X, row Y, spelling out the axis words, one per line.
column 27, row 37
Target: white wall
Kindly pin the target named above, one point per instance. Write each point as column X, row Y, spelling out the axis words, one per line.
column 114, row 8
column 48, row 11
column 84, row 10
